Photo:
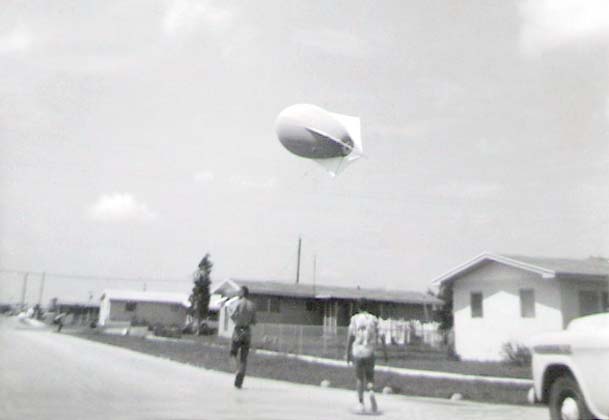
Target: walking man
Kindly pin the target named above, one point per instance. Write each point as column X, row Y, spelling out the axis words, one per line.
column 361, row 345
column 244, row 316
column 58, row 320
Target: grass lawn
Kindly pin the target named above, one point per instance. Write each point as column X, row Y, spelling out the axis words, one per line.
column 411, row 360
column 212, row 353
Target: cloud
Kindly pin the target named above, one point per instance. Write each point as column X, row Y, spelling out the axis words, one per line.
column 455, row 189
column 265, row 183
column 95, row 62
column 120, row 208
column 550, row 24
column 184, row 17
column 18, row 40
column 334, row 42
column 415, row 129
column 203, row 177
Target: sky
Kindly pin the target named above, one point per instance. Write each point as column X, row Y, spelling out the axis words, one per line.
column 135, row 137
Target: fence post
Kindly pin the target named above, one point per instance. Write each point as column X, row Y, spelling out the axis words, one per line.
column 260, row 342
column 337, row 344
column 323, row 335
column 300, row 340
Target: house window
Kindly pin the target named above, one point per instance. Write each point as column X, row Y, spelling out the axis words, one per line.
column 130, row 306
column 527, row 303
column 274, row 305
column 476, row 304
column 261, row 303
column 588, row 302
column 175, row 308
column 310, row 305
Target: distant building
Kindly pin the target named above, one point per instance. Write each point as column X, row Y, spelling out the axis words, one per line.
column 499, row 299
column 140, row 307
column 327, row 306
column 81, row 312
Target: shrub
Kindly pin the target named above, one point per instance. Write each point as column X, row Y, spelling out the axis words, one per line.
column 517, row 353
column 170, row 331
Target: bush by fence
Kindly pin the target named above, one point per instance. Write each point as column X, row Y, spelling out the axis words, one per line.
column 517, row 354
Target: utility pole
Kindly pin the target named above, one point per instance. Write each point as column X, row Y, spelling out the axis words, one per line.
column 23, row 290
column 298, row 262
column 314, row 271
column 41, row 289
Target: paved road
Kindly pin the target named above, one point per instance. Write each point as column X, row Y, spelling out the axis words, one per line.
column 45, row 375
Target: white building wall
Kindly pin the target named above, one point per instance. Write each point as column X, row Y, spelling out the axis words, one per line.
column 104, row 311
column 483, row 338
column 151, row 312
column 225, row 324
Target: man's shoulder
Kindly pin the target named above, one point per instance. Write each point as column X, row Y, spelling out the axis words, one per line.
column 364, row 317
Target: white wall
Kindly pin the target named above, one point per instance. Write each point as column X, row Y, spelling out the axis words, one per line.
column 104, row 310
column 152, row 312
column 225, row 324
column 483, row 338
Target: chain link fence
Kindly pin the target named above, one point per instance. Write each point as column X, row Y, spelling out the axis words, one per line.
column 404, row 339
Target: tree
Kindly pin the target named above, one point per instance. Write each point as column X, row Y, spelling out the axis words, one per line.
column 445, row 317
column 199, row 298
column 445, row 314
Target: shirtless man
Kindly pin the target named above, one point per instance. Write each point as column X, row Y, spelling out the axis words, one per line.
column 244, row 316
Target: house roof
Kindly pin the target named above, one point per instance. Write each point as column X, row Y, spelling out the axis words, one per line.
column 565, row 266
column 276, row 288
column 77, row 304
column 140, row 296
column 544, row 266
column 216, row 301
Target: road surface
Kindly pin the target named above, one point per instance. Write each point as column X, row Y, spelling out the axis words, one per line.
column 46, row 375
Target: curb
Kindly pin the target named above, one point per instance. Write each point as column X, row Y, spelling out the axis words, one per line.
column 416, row 373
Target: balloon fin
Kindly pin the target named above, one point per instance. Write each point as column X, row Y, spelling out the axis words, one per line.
column 333, row 166
column 347, row 148
column 354, row 128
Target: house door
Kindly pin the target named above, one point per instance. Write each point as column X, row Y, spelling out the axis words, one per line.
column 343, row 314
column 329, row 317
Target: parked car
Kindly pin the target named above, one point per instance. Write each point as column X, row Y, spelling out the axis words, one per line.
column 571, row 369
column 169, row 331
column 210, row 325
column 207, row 326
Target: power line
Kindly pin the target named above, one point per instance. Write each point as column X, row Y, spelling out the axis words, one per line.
column 89, row 276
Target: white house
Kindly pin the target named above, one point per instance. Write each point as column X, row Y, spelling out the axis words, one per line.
column 501, row 299
column 329, row 307
column 143, row 307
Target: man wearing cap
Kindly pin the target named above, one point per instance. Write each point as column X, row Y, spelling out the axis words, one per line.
column 244, row 316
column 361, row 345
